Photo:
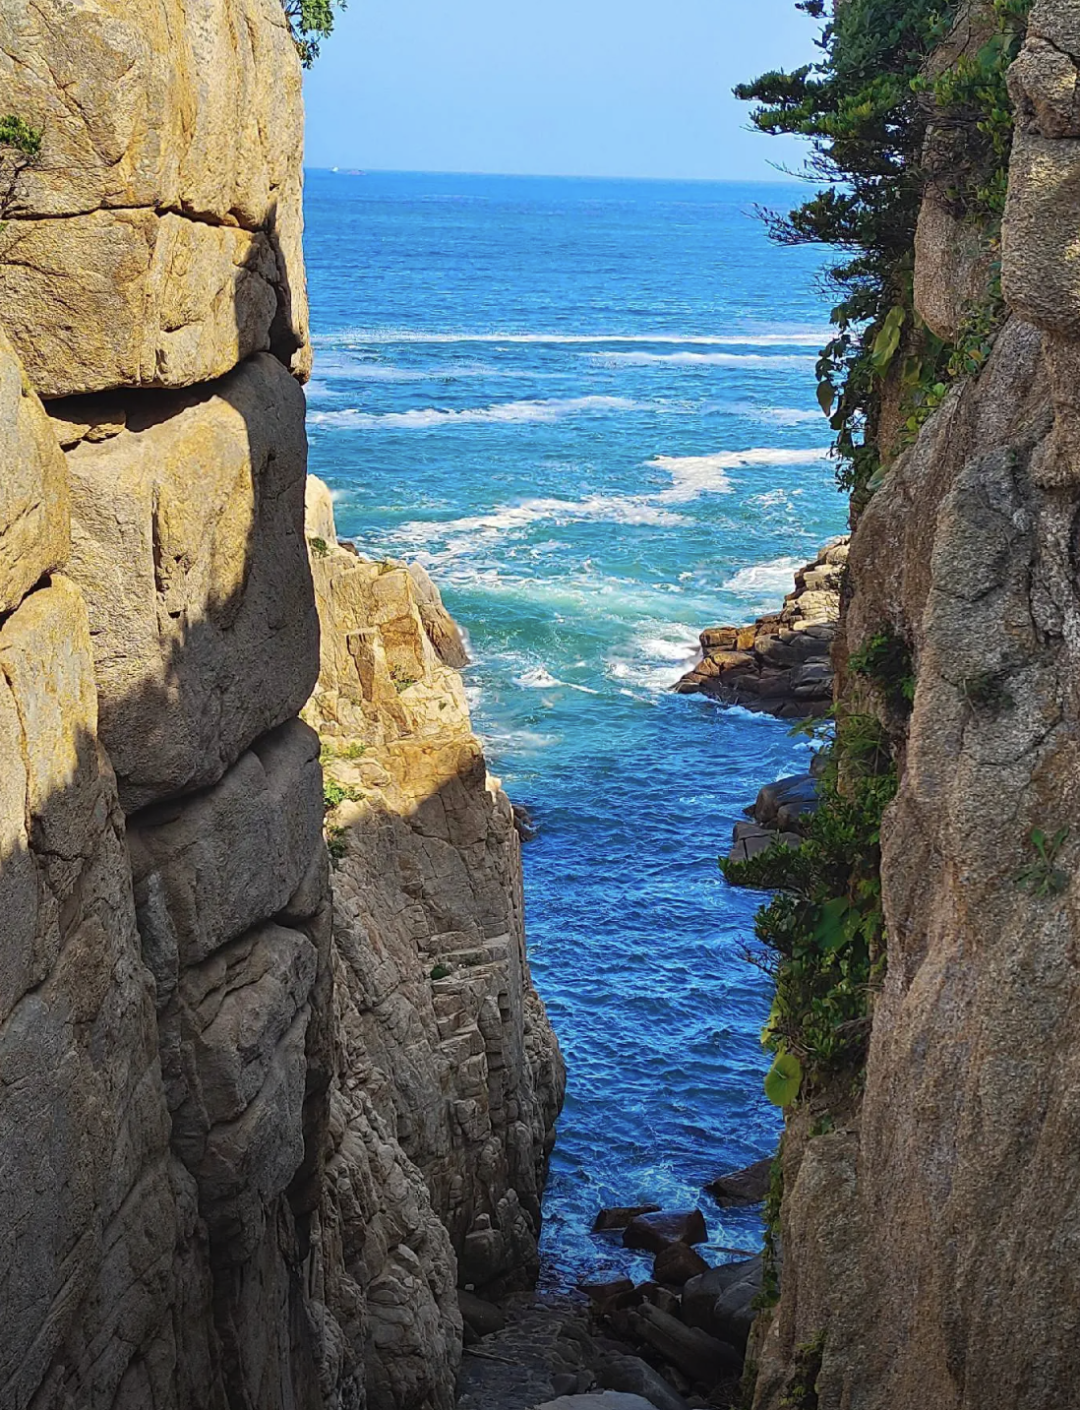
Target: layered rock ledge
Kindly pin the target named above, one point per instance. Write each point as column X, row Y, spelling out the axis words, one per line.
column 781, row 663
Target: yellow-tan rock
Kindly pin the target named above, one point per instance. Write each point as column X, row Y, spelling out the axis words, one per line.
column 169, row 134
column 34, row 517
column 187, row 545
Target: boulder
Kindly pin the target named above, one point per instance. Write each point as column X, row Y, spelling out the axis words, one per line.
column 749, row 839
column 187, row 543
column 636, row 1377
column 656, row 1232
column 677, row 1264
column 699, row 1356
column 481, row 1318
column 603, row 1292
column 721, row 1301
column 35, row 521
column 617, row 1217
column 749, row 1185
column 598, row 1400
column 796, row 794
column 179, row 252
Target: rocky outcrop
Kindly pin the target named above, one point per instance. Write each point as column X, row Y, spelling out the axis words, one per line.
column 429, row 931
column 781, row 663
column 243, row 1156
column 926, row 1237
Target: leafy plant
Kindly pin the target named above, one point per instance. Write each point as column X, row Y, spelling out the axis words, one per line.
column 885, row 659
column 20, row 147
column 1043, row 877
column 986, row 691
column 334, row 794
column 783, row 1079
column 319, row 547
column 802, row 1392
column 440, row 971
column 310, row 22
column 402, row 682
column 336, row 842
column 823, row 931
column 867, row 108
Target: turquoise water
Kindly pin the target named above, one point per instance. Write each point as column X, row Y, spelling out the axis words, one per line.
column 588, row 407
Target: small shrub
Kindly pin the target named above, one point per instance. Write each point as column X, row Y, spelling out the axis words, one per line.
column 334, row 794
column 353, row 751
column 440, row 971
column 402, row 682
column 802, row 1392
column 336, row 843
column 886, row 660
column 1044, row 877
column 319, row 547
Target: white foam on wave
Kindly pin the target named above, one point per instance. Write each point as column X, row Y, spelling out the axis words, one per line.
column 658, row 657
column 515, row 412
column 795, row 338
column 540, row 678
column 615, row 509
column 692, row 475
column 696, row 359
column 764, row 579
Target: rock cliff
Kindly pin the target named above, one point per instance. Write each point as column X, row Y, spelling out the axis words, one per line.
column 927, row 1224
column 258, row 1118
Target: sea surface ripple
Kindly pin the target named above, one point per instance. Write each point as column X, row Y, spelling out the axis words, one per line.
column 588, row 407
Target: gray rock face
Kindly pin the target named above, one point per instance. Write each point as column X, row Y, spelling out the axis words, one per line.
column 954, row 1179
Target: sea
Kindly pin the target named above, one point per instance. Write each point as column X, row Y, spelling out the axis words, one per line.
column 588, row 408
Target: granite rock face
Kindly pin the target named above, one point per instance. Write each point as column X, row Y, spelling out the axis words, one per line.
column 927, row 1238
column 187, row 544
column 172, row 148
column 429, row 932
column 242, row 1156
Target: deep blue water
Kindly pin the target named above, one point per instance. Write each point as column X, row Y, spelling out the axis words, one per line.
column 588, row 407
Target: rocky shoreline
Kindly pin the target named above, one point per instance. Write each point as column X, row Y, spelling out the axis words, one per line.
column 781, row 663
column 672, row 1342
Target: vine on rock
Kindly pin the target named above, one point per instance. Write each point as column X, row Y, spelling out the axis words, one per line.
column 868, row 108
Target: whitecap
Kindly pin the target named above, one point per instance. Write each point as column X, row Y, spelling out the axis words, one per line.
column 694, row 359
column 765, row 579
column 692, row 475
column 540, row 678
column 504, row 412
column 792, row 337
column 615, row 509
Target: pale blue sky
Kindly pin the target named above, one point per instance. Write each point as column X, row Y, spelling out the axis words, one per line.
column 560, row 87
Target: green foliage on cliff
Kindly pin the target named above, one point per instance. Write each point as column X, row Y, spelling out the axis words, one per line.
column 823, row 931
column 310, row 21
column 885, row 659
column 20, row 147
column 867, row 107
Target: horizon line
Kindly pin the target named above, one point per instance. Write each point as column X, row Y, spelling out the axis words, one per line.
column 785, row 179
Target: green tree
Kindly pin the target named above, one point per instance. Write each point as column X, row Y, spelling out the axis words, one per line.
column 310, row 22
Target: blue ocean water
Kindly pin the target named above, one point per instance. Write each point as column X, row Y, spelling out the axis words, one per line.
column 588, row 407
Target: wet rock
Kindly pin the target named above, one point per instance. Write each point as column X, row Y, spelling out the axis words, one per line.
column 604, row 1292
column 740, row 1187
column 482, row 1318
column 656, row 1232
column 781, row 663
column 701, row 1357
column 677, row 1265
column 636, row 1377
column 720, row 1301
column 523, row 822
column 618, row 1217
